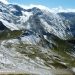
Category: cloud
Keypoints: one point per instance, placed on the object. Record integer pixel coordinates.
(33, 5)
(53, 10)
(61, 9)
(4, 1)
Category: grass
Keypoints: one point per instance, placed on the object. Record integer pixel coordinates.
(7, 34)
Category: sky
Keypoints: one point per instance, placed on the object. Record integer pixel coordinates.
(48, 3)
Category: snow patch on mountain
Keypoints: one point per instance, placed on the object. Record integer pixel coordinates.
(25, 16)
(11, 26)
(31, 39)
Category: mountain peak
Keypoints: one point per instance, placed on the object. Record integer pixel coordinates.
(36, 17)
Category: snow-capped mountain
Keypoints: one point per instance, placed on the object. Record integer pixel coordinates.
(15, 17)
(36, 38)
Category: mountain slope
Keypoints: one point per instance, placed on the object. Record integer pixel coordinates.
(36, 39)
(15, 17)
